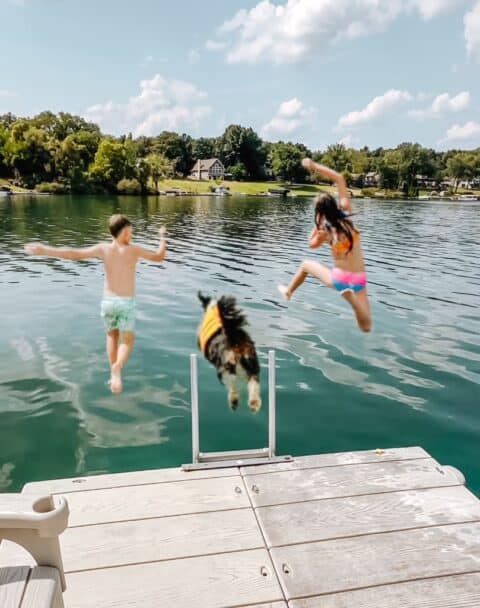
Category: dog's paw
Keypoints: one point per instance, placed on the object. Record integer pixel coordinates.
(255, 404)
(233, 400)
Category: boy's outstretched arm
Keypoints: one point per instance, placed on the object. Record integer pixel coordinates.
(65, 253)
(337, 178)
(155, 256)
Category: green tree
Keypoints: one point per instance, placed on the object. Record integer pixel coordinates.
(111, 164)
(177, 148)
(204, 147)
(239, 172)
(29, 152)
(459, 168)
(241, 145)
(285, 161)
(160, 168)
(3, 140)
(387, 167)
(129, 186)
(74, 156)
(337, 157)
(7, 120)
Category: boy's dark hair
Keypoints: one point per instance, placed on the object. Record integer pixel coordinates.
(117, 223)
(326, 206)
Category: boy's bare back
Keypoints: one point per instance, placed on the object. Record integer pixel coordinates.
(120, 262)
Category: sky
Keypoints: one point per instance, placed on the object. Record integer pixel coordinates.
(361, 72)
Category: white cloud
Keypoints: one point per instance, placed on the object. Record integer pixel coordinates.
(429, 9)
(443, 104)
(472, 32)
(378, 108)
(214, 45)
(290, 116)
(160, 104)
(461, 133)
(288, 31)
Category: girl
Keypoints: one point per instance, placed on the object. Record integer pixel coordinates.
(332, 226)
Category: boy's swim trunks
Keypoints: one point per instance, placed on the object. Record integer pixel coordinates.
(119, 313)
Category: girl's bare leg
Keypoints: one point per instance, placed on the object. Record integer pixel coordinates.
(112, 345)
(307, 267)
(124, 352)
(361, 307)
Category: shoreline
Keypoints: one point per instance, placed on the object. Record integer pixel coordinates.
(279, 190)
(462, 198)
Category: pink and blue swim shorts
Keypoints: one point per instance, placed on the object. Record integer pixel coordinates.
(343, 280)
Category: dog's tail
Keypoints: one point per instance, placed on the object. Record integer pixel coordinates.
(233, 319)
(205, 300)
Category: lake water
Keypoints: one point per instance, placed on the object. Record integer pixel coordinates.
(415, 380)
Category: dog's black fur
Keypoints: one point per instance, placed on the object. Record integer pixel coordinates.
(232, 351)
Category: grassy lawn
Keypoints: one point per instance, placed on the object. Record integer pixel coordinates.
(251, 188)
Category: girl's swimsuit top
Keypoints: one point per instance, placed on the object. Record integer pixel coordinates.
(342, 247)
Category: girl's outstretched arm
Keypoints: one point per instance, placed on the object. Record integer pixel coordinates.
(337, 178)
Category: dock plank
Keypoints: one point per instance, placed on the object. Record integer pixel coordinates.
(269, 605)
(334, 482)
(149, 540)
(156, 500)
(12, 586)
(116, 480)
(379, 559)
(219, 581)
(343, 517)
(43, 589)
(461, 591)
(339, 459)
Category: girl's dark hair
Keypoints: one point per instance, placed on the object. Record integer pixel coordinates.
(117, 223)
(335, 219)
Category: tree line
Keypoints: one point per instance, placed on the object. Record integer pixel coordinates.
(65, 153)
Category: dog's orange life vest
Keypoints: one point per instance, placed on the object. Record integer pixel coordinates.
(211, 324)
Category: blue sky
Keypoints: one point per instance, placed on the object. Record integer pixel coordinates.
(366, 72)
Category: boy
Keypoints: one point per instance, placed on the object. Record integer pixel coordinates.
(118, 308)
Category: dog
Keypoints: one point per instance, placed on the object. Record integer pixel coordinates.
(225, 343)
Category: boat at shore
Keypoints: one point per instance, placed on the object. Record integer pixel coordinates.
(221, 191)
(467, 197)
(278, 192)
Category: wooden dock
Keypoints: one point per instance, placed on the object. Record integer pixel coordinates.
(383, 529)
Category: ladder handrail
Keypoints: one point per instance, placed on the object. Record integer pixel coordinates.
(272, 430)
(195, 413)
(270, 451)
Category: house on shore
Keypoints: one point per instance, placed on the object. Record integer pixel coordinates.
(372, 179)
(423, 181)
(208, 168)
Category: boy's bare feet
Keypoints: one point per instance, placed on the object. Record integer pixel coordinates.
(116, 385)
(283, 289)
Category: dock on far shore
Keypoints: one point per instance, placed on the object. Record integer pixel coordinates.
(383, 528)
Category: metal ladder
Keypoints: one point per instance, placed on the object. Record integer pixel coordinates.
(234, 458)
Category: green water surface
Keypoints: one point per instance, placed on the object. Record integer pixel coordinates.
(415, 380)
